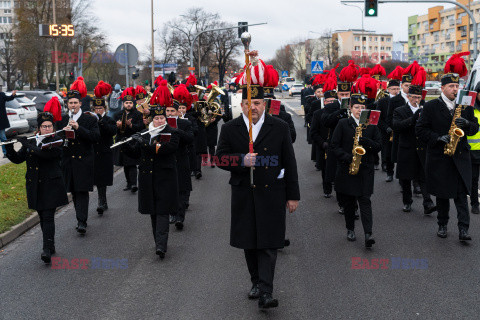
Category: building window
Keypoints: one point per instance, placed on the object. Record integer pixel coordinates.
(357, 38)
(382, 39)
(9, 19)
(376, 38)
(370, 48)
(382, 48)
(376, 48)
(357, 48)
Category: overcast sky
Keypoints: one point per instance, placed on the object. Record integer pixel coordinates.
(129, 20)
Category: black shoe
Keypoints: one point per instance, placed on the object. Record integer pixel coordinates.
(212, 166)
(384, 167)
(128, 187)
(407, 208)
(266, 301)
(46, 256)
(389, 179)
(160, 253)
(134, 188)
(429, 209)
(52, 250)
(81, 227)
(286, 243)
(187, 205)
(417, 190)
(318, 169)
(442, 231)
(254, 292)
(100, 210)
(172, 219)
(341, 210)
(351, 235)
(475, 210)
(179, 225)
(463, 235)
(369, 241)
(357, 216)
(327, 195)
(198, 175)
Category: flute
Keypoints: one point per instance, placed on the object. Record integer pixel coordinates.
(130, 138)
(29, 138)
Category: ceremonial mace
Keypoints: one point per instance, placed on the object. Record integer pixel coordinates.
(246, 40)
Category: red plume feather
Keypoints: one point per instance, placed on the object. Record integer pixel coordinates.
(396, 74)
(332, 73)
(456, 64)
(79, 85)
(191, 80)
(158, 80)
(367, 85)
(350, 72)
(140, 89)
(363, 71)
(412, 69)
(53, 106)
(378, 70)
(182, 95)
(420, 78)
(162, 95)
(319, 79)
(102, 89)
(330, 83)
(271, 77)
(130, 91)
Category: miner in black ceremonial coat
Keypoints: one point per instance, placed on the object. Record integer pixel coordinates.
(353, 188)
(45, 187)
(258, 210)
(448, 177)
(78, 155)
(411, 150)
(103, 153)
(157, 180)
(185, 134)
(129, 122)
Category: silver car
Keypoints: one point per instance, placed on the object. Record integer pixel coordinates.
(21, 101)
(18, 123)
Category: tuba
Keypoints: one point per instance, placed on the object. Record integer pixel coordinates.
(212, 108)
(170, 88)
(357, 152)
(455, 134)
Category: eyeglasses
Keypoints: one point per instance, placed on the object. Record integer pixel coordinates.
(46, 126)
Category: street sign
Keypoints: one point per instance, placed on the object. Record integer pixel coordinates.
(317, 67)
(191, 68)
(126, 54)
(284, 73)
(285, 87)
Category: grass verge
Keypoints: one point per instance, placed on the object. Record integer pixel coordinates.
(13, 197)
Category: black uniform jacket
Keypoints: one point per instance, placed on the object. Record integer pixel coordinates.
(78, 156)
(185, 134)
(443, 172)
(103, 153)
(136, 116)
(360, 184)
(44, 182)
(394, 103)
(157, 177)
(258, 211)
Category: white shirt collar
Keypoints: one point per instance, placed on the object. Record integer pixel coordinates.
(450, 104)
(357, 121)
(391, 95)
(255, 127)
(414, 109)
(404, 95)
(154, 132)
(75, 116)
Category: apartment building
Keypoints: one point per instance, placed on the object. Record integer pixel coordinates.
(357, 43)
(433, 37)
(6, 24)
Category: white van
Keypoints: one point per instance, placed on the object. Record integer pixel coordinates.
(289, 81)
(474, 77)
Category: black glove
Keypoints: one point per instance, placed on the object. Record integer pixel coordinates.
(137, 138)
(462, 123)
(347, 158)
(389, 130)
(344, 113)
(23, 141)
(444, 139)
(325, 145)
(365, 142)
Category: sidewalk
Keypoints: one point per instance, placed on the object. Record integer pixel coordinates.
(3, 160)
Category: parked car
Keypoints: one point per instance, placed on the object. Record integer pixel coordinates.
(18, 123)
(40, 98)
(290, 81)
(295, 89)
(433, 87)
(22, 102)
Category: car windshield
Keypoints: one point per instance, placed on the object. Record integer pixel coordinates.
(24, 100)
(290, 79)
(13, 104)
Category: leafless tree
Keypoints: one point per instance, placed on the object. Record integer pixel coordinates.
(7, 58)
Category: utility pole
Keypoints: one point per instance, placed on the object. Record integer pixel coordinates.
(57, 82)
(153, 52)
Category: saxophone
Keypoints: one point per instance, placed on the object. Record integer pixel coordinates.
(455, 134)
(357, 152)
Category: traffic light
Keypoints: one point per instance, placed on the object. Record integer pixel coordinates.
(242, 27)
(371, 7)
(135, 74)
(71, 76)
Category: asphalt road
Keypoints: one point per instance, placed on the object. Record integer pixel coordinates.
(202, 277)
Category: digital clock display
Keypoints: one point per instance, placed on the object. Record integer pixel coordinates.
(56, 30)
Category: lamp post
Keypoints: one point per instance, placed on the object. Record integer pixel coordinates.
(361, 49)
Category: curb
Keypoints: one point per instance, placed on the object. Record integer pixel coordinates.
(30, 222)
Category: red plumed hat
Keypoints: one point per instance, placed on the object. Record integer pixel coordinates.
(420, 78)
(158, 80)
(412, 69)
(456, 64)
(162, 96)
(102, 89)
(191, 80)
(182, 95)
(378, 70)
(396, 74)
(349, 73)
(319, 80)
(209, 87)
(79, 85)
(128, 94)
(367, 85)
(271, 77)
(53, 106)
(332, 72)
(330, 83)
(363, 71)
(257, 73)
(140, 93)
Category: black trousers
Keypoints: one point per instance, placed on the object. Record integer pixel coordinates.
(474, 192)
(198, 163)
(327, 186)
(183, 198)
(160, 227)
(131, 173)
(47, 224)
(461, 203)
(407, 192)
(261, 265)
(211, 151)
(377, 159)
(102, 196)
(387, 157)
(365, 205)
(80, 202)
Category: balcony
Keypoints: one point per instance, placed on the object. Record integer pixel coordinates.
(414, 42)
(436, 38)
(459, 21)
(447, 37)
(459, 47)
(431, 27)
(424, 41)
(451, 23)
(463, 34)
